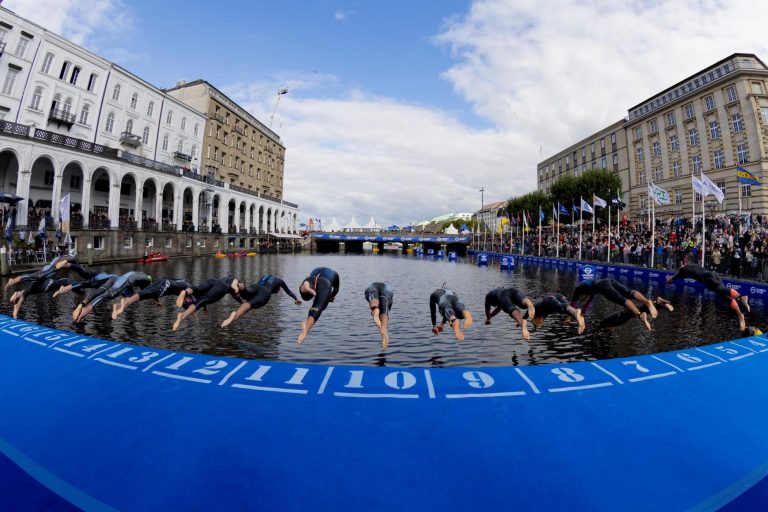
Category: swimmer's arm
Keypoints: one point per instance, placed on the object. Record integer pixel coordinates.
(289, 292)
(433, 310)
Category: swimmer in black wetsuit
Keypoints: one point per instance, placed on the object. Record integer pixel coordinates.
(210, 291)
(712, 282)
(614, 291)
(36, 287)
(380, 297)
(111, 289)
(556, 303)
(622, 317)
(323, 285)
(48, 271)
(451, 309)
(509, 300)
(94, 279)
(155, 291)
(44, 280)
(257, 295)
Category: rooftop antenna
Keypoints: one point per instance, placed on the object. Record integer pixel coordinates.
(280, 92)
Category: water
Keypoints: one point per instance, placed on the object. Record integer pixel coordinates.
(345, 333)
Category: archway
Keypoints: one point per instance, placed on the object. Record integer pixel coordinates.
(168, 207)
(127, 212)
(98, 211)
(149, 205)
(187, 202)
(72, 184)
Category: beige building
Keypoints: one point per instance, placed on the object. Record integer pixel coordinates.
(711, 122)
(237, 148)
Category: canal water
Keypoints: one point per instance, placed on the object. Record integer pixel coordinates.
(345, 333)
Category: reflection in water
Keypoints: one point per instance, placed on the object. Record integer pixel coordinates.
(345, 333)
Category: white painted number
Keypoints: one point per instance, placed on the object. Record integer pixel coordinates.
(400, 380)
(478, 380)
(178, 364)
(355, 379)
(145, 356)
(213, 367)
(726, 350)
(567, 375)
(689, 358)
(259, 373)
(298, 376)
(638, 366)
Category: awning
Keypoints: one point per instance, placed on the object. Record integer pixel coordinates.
(284, 235)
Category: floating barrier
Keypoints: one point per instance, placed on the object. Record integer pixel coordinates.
(440, 254)
(507, 263)
(430, 252)
(106, 425)
(482, 260)
(452, 256)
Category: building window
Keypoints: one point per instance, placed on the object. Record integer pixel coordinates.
(92, 82)
(696, 164)
(640, 155)
(129, 126)
(98, 243)
(180, 147)
(721, 186)
(110, 122)
(116, 92)
(757, 88)
(168, 243)
(743, 153)
(615, 159)
(75, 75)
(169, 117)
(689, 111)
(196, 129)
(150, 108)
(37, 97)
(693, 137)
(674, 143)
(730, 93)
(714, 130)
(677, 169)
(638, 132)
(10, 81)
(21, 47)
(697, 197)
(64, 68)
(604, 162)
(67, 106)
(127, 242)
(738, 123)
(670, 119)
(709, 103)
(47, 61)
(602, 143)
(641, 177)
(653, 126)
(719, 159)
(183, 124)
(678, 196)
(134, 101)
(746, 190)
(658, 174)
(145, 136)
(165, 143)
(193, 151)
(656, 148)
(84, 114)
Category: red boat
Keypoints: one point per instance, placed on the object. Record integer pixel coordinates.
(152, 257)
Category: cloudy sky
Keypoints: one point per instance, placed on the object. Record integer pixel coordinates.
(403, 110)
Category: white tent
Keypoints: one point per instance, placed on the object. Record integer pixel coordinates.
(352, 226)
(451, 230)
(371, 226)
(333, 226)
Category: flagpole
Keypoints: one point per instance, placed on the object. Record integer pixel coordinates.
(581, 224)
(594, 209)
(703, 224)
(609, 229)
(557, 236)
(618, 215)
(653, 232)
(540, 211)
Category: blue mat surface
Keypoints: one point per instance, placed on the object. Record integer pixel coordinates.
(104, 425)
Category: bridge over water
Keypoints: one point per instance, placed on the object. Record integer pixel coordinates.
(353, 242)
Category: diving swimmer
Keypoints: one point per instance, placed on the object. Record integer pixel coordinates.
(509, 300)
(257, 295)
(322, 284)
(380, 297)
(451, 309)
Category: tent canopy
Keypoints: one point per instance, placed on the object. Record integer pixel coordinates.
(352, 225)
(371, 226)
(333, 226)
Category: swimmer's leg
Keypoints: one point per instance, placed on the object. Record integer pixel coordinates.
(518, 317)
(644, 319)
(660, 301)
(306, 326)
(243, 309)
(181, 316)
(383, 330)
(632, 307)
(19, 302)
(375, 312)
(124, 303)
(649, 303)
(76, 312)
(84, 311)
(182, 295)
(575, 313)
(467, 319)
(531, 309)
(742, 321)
(62, 290)
(12, 281)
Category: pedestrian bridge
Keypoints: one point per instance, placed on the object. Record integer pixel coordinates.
(353, 242)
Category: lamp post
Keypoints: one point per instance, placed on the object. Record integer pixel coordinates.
(280, 92)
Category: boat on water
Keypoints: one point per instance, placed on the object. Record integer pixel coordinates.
(153, 257)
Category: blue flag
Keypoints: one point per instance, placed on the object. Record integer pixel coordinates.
(574, 207)
(10, 226)
(563, 209)
(746, 177)
(541, 215)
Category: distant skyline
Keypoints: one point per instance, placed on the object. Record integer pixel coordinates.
(403, 110)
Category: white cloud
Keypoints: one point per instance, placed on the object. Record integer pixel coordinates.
(81, 21)
(340, 15)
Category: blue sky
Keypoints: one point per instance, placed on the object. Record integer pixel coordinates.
(403, 110)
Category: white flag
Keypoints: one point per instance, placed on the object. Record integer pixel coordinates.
(64, 208)
(698, 186)
(602, 203)
(586, 207)
(713, 189)
(658, 194)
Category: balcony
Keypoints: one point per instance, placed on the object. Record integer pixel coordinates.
(130, 139)
(239, 130)
(178, 155)
(61, 117)
(219, 118)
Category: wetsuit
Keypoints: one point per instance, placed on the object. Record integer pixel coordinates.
(706, 277)
(383, 293)
(508, 299)
(213, 290)
(551, 304)
(163, 287)
(258, 294)
(49, 270)
(45, 285)
(448, 303)
(325, 282)
(609, 288)
(117, 285)
(95, 280)
(621, 317)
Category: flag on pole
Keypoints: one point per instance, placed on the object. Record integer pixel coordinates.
(601, 203)
(541, 214)
(554, 213)
(574, 208)
(563, 209)
(529, 217)
(64, 207)
(713, 189)
(658, 194)
(617, 202)
(41, 228)
(525, 222)
(698, 186)
(586, 207)
(746, 177)
(10, 225)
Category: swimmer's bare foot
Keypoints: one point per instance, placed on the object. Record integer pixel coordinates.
(745, 300)
(229, 320)
(76, 312)
(180, 298)
(644, 318)
(531, 312)
(467, 319)
(526, 333)
(115, 311)
(303, 333)
(652, 309)
(742, 322)
(177, 322)
(376, 319)
(384, 340)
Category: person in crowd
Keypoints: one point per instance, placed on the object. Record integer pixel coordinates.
(452, 311)
(257, 295)
(713, 283)
(321, 286)
(208, 292)
(379, 297)
(509, 300)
